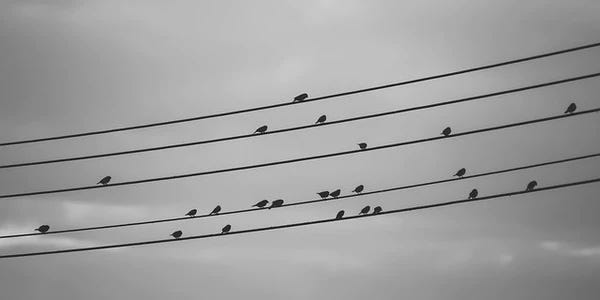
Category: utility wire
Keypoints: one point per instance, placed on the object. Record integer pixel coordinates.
(322, 156)
(455, 101)
(241, 111)
(412, 208)
(309, 201)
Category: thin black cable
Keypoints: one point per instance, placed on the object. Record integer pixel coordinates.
(308, 201)
(413, 208)
(505, 63)
(303, 158)
(455, 101)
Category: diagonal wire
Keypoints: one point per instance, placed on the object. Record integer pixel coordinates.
(241, 111)
(295, 160)
(309, 201)
(322, 221)
(244, 136)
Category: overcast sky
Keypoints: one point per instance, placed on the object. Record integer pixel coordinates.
(71, 66)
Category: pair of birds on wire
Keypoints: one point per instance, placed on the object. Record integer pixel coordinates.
(530, 187)
(178, 234)
(264, 128)
(215, 211)
(364, 211)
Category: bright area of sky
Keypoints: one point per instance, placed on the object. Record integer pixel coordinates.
(70, 66)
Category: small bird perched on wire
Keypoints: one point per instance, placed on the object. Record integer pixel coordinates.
(377, 210)
(177, 234)
(359, 189)
(531, 185)
(226, 229)
(300, 97)
(571, 109)
(105, 180)
(362, 146)
(447, 131)
(365, 210)
(43, 228)
(276, 203)
(335, 193)
(473, 194)
(323, 194)
(339, 215)
(216, 210)
(261, 203)
(261, 129)
(460, 173)
(192, 212)
(321, 119)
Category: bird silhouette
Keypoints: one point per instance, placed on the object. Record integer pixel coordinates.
(339, 215)
(216, 210)
(571, 109)
(473, 194)
(177, 234)
(447, 131)
(226, 229)
(531, 185)
(261, 203)
(321, 119)
(105, 180)
(359, 189)
(377, 210)
(362, 146)
(43, 228)
(301, 97)
(365, 210)
(335, 193)
(460, 173)
(192, 212)
(261, 129)
(323, 194)
(276, 203)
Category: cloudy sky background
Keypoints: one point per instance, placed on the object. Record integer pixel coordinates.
(70, 66)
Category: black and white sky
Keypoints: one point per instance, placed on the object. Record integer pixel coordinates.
(70, 66)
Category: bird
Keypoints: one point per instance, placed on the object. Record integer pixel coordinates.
(377, 210)
(105, 180)
(43, 228)
(339, 215)
(531, 185)
(216, 210)
(301, 97)
(192, 212)
(335, 193)
(362, 146)
(177, 234)
(473, 194)
(276, 203)
(261, 129)
(359, 189)
(323, 194)
(365, 210)
(261, 203)
(447, 131)
(571, 109)
(460, 173)
(321, 119)
(226, 229)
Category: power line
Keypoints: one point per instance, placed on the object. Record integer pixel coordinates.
(241, 111)
(322, 156)
(308, 201)
(413, 208)
(455, 101)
